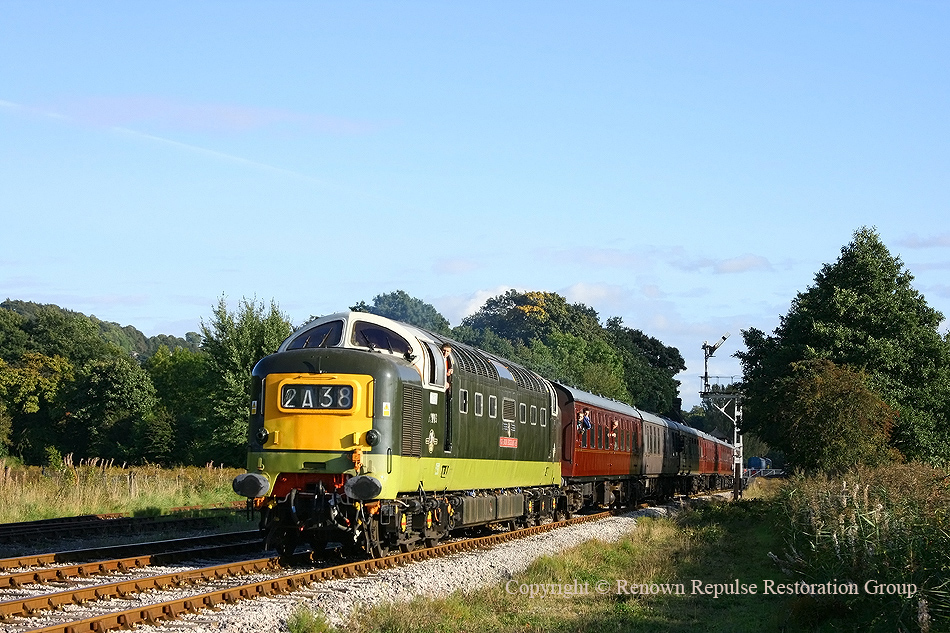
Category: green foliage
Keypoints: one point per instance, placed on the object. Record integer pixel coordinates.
(233, 343)
(521, 317)
(566, 342)
(304, 620)
(649, 367)
(861, 312)
(888, 524)
(107, 401)
(183, 384)
(832, 419)
(400, 306)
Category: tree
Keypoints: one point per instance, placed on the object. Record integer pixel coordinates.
(184, 388)
(108, 399)
(861, 312)
(523, 316)
(30, 391)
(234, 342)
(832, 419)
(649, 367)
(566, 342)
(400, 306)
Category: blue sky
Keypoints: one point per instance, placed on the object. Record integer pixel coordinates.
(687, 166)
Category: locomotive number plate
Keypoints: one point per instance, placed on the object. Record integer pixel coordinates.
(316, 397)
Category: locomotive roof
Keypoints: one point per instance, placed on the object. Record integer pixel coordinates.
(468, 358)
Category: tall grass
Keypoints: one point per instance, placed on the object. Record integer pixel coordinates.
(100, 487)
(888, 525)
(718, 544)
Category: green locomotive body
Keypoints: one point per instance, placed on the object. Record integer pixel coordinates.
(358, 436)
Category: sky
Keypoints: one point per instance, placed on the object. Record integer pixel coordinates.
(686, 166)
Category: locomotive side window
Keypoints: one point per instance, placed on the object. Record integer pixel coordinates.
(324, 335)
(523, 410)
(479, 404)
(493, 406)
(507, 415)
(463, 401)
(377, 337)
(544, 417)
(534, 415)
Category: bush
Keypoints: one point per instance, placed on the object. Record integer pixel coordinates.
(889, 524)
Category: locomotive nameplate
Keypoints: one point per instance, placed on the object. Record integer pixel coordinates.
(508, 442)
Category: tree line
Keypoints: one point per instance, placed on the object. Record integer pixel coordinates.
(857, 372)
(73, 384)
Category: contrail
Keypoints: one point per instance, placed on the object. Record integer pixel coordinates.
(210, 153)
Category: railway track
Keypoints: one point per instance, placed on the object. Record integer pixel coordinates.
(47, 568)
(81, 526)
(119, 604)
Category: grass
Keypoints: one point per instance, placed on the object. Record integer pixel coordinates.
(101, 487)
(761, 538)
(717, 544)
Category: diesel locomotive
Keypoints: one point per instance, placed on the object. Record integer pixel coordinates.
(365, 433)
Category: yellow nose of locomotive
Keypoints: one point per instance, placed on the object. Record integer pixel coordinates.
(322, 412)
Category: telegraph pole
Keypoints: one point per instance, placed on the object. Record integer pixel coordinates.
(728, 401)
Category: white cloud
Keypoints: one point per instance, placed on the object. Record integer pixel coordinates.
(934, 241)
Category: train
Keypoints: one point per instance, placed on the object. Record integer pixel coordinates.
(378, 436)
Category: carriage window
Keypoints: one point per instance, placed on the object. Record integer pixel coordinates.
(463, 401)
(323, 335)
(479, 404)
(493, 406)
(377, 337)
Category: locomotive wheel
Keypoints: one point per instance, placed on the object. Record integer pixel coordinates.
(371, 543)
(285, 543)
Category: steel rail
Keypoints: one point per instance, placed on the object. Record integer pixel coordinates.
(45, 575)
(123, 551)
(172, 609)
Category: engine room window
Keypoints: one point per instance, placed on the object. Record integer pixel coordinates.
(534, 415)
(493, 406)
(523, 410)
(463, 401)
(479, 404)
(544, 417)
(323, 335)
(377, 337)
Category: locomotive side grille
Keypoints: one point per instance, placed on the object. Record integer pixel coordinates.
(472, 361)
(411, 421)
(526, 379)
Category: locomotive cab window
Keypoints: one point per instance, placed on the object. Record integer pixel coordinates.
(323, 335)
(378, 338)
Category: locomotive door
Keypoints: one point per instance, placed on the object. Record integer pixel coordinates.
(440, 395)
